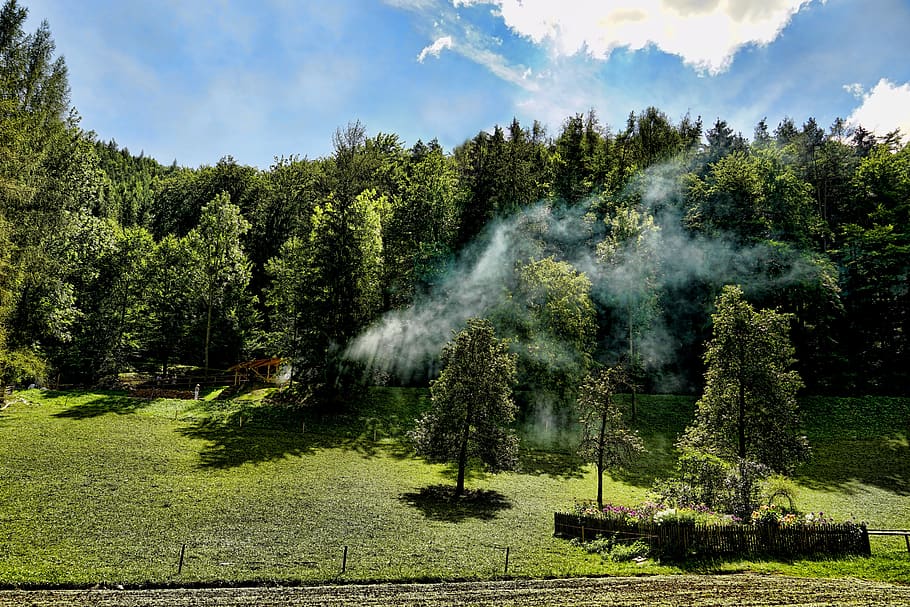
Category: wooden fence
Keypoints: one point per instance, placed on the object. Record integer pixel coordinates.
(675, 540)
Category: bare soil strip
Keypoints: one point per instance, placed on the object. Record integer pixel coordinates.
(697, 591)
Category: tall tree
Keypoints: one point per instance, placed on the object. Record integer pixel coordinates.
(220, 263)
(472, 403)
(292, 300)
(170, 287)
(629, 254)
(748, 410)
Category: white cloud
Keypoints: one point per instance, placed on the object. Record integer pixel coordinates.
(885, 108)
(445, 42)
(856, 89)
(704, 33)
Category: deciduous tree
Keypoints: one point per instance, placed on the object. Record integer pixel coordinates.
(606, 440)
(748, 411)
(472, 403)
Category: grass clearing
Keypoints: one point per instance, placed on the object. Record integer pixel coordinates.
(100, 487)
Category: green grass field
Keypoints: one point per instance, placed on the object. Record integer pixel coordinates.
(102, 488)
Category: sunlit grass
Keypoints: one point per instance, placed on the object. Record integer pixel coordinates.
(100, 487)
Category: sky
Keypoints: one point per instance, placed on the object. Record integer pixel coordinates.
(197, 80)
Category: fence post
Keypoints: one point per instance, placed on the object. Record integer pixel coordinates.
(180, 564)
(344, 560)
(506, 572)
(866, 546)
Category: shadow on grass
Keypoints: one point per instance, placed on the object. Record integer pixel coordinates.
(232, 444)
(551, 463)
(438, 502)
(259, 434)
(883, 463)
(121, 404)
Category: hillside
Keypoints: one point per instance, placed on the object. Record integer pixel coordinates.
(102, 488)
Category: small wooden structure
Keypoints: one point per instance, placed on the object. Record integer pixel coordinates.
(262, 369)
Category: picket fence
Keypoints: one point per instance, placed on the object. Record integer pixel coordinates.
(674, 539)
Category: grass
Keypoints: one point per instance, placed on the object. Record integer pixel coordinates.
(103, 488)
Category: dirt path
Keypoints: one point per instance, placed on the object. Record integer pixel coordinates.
(656, 591)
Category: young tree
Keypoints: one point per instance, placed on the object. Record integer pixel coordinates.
(606, 441)
(748, 410)
(472, 403)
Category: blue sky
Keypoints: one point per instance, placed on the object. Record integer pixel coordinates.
(196, 80)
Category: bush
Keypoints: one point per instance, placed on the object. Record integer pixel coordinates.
(611, 549)
(704, 480)
(777, 487)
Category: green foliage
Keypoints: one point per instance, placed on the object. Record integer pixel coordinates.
(220, 269)
(551, 319)
(21, 366)
(472, 404)
(615, 551)
(748, 409)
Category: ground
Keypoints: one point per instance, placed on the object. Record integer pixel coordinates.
(654, 591)
(103, 489)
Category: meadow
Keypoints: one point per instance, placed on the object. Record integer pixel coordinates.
(102, 488)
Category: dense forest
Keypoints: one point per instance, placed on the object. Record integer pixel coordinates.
(592, 245)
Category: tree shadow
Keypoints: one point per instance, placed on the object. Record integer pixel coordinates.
(554, 464)
(259, 434)
(438, 502)
(232, 443)
(840, 465)
(121, 404)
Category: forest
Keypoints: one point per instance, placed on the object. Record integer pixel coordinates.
(593, 245)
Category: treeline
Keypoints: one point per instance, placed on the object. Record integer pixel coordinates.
(109, 261)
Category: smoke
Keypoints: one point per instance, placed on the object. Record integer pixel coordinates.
(639, 282)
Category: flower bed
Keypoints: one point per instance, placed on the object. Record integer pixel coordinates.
(680, 532)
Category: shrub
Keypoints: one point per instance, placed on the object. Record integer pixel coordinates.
(611, 549)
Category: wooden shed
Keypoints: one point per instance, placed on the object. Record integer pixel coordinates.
(261, 369)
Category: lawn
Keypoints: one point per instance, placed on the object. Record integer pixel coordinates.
(103, 488)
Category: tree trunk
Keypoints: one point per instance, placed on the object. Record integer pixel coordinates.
(208, 335)
(742, 420)
(462, 460)
(600, 461)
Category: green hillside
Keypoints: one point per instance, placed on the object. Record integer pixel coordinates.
(102, 488)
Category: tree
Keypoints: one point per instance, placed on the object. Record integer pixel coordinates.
(472, 403)
(220, 262)
(553, 322)
(748, 411)
(291, 298)
(629, 255)
(606, 441)
(168, 284)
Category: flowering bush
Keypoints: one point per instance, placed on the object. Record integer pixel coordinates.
(776, 515)
(654, 512)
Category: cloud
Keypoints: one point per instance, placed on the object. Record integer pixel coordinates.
(885, 108)
(705, 34)
(440, 44)
(856, 89)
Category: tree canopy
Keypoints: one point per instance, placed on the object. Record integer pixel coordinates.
(632, 229)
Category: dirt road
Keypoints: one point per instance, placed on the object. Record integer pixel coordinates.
(697, 591)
